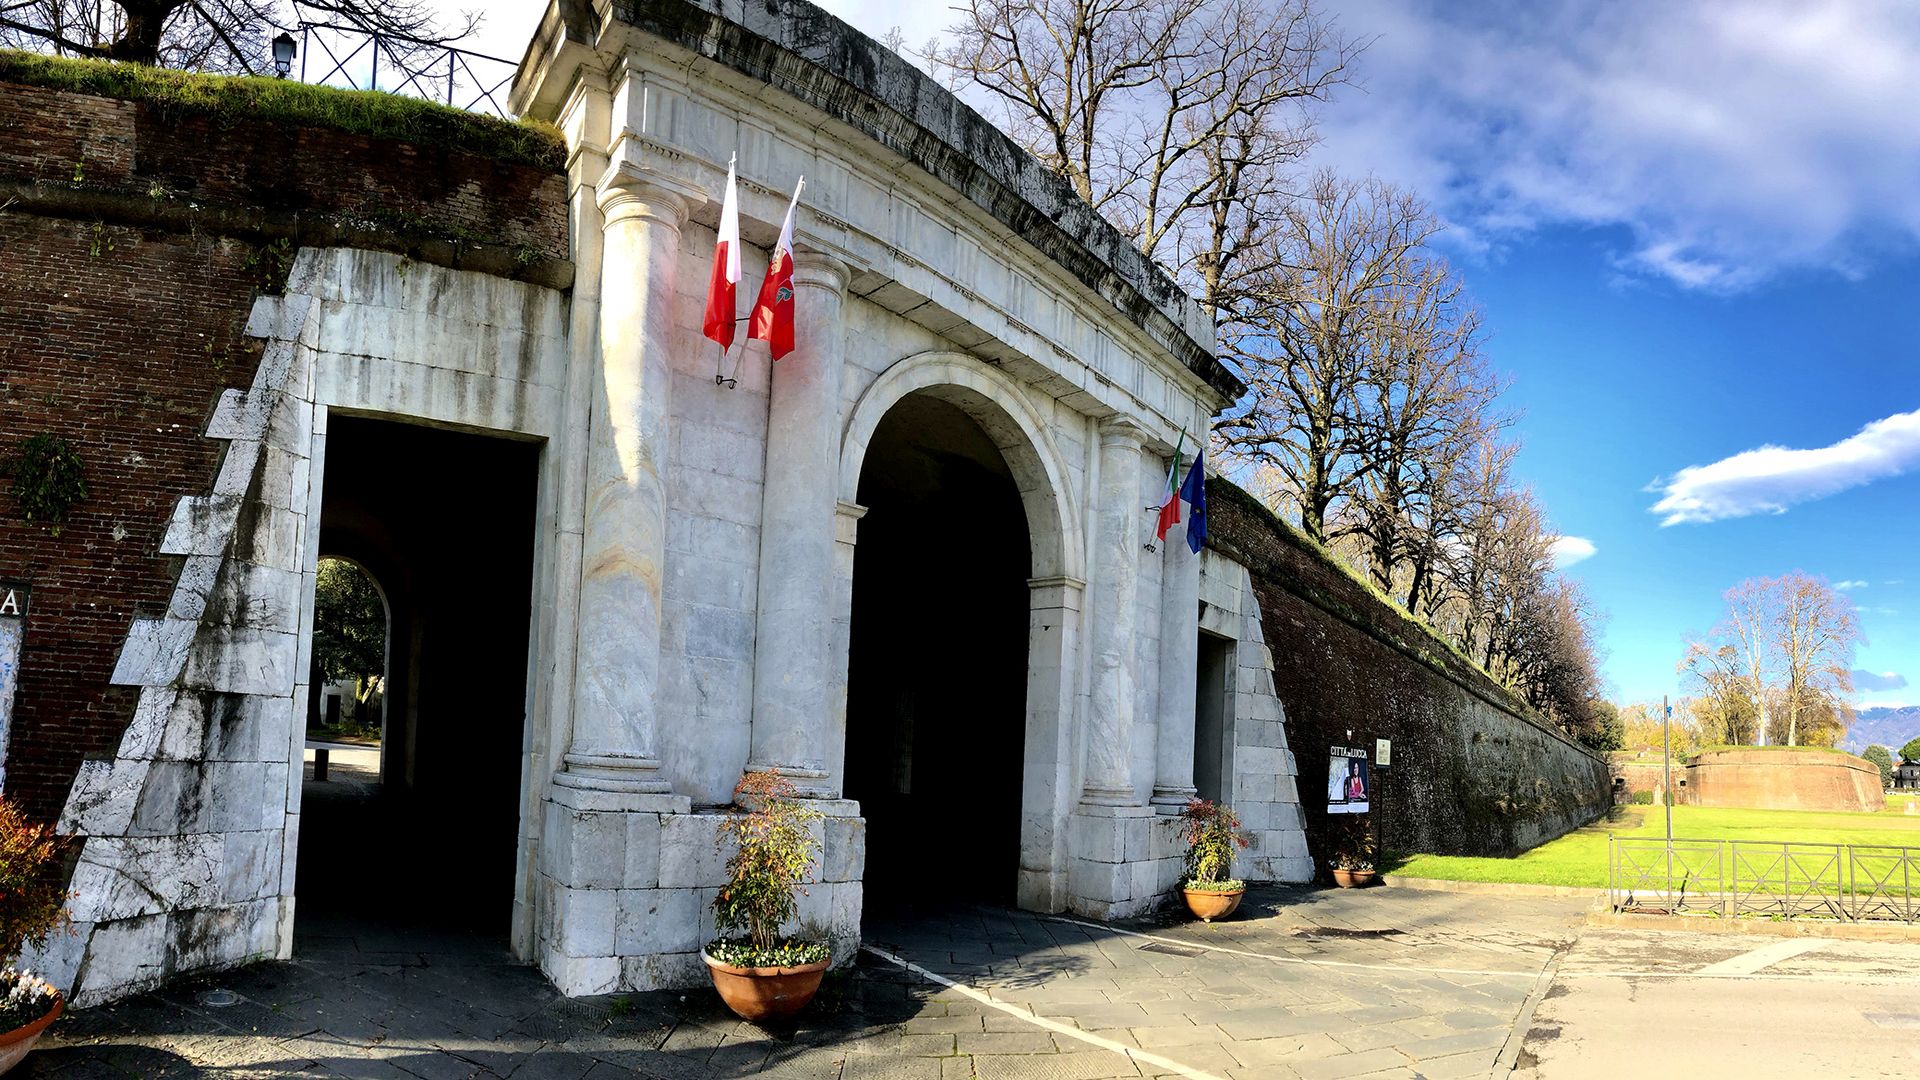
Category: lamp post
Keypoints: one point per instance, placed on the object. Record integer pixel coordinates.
(283, 50)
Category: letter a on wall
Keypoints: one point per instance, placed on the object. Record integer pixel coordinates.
(13, 630)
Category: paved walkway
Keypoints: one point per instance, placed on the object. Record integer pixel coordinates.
(1304, 984)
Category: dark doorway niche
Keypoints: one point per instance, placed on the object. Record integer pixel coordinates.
(1212, 760)
(443, 522)
(937, 673)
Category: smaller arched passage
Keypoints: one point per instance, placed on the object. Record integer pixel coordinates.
(352, 638)
(964, 598)
(445, 521)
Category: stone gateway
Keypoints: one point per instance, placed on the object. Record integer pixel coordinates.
(911, 565)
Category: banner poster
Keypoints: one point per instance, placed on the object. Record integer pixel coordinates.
(1348, 786)
(13, 627)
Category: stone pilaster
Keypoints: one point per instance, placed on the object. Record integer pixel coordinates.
(1118, 523)
(1179, 672)
(793, 698)
(612, 761)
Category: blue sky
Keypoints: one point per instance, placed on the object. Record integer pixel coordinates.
(1693, 229)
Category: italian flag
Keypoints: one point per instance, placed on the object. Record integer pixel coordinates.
(772, 318)
(1170, 510)
(726, 269)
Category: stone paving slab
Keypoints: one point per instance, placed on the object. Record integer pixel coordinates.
(1305, 984)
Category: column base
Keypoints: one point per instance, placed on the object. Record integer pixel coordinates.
(803, 779)
(1092, 796)
(578, 791)
(1172, 800)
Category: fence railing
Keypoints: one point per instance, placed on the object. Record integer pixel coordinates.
(347, 57)
(1734, 878)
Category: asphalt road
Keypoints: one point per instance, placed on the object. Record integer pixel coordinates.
(1667, 1003)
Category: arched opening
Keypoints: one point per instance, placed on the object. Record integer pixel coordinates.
(938, 658)
(423, 833)
(346, 710)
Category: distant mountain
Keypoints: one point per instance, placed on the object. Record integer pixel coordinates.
(1890, 728)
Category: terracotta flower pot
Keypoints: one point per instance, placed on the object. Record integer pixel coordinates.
(15, 1044)
(1208, 906)
(765, 993)
(1353, 879)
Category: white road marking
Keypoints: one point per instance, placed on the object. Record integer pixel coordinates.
(1143, 1057)
(1765, 956)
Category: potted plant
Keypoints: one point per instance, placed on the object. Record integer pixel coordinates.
(32, 906)
(759, 974)
(1353, 864)
(1212, 833)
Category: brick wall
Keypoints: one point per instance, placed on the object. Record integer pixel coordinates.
(1474, 772)
(119, 335)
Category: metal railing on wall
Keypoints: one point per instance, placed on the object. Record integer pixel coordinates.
(1748, 878)
(355, 59)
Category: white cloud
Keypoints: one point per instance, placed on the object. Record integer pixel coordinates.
(1728, 142)
(1850, 585)
(1769, 479)
(1567, 550)
(1870, 682)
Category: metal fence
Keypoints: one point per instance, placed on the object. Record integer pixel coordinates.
(1735, 878)
(347, 57)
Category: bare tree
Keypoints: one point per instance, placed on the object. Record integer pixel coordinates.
(1428, 397)
(216, 35)
(1752, 611)
(1726, 704)
(1333, 312)
(1816, 631)
(1179, 120)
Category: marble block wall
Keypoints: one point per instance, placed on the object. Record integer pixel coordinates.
(627, 896)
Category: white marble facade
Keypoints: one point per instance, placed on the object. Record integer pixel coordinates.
(672, 648)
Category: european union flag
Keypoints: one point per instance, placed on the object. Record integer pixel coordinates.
(1194, 491)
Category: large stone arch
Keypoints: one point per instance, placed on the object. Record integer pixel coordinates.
(1000, 406)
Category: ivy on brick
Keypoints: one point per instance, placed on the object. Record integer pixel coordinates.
(48, 480)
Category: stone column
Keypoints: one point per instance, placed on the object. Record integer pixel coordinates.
(1179, 672)
(1118, 524)
(613, 752)
(799, 516)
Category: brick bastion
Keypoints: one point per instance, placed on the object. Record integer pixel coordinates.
(1783, 779)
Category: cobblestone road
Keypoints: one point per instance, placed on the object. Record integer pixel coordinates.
(1303, 983)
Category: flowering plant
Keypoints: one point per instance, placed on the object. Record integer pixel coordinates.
(774, 849)
(1212, 831)
(33, 904)
(24, 998)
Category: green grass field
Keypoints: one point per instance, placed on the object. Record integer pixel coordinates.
(1580, 857)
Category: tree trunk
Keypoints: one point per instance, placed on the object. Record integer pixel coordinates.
(146, 21)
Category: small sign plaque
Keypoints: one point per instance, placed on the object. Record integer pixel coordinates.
(1382, 753)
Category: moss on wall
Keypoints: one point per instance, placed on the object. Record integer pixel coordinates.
(1475, 772)
(235, 99)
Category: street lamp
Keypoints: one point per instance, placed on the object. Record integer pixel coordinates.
(283, 50)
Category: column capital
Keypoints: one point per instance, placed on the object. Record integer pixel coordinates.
(821, 270)
(625, 195)
(1120, 430)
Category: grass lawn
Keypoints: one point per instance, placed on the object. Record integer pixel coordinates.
(346, 733)
(1580, 857)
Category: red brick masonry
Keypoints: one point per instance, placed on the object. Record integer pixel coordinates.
(119, 335)
(1777, 779)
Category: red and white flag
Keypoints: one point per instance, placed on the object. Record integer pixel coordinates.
(726, 269)
(772, 318)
